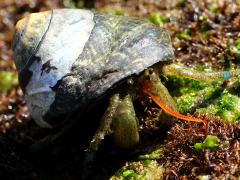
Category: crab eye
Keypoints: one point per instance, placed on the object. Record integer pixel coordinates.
(151, 71)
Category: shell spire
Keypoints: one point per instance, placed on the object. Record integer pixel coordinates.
(29, 32)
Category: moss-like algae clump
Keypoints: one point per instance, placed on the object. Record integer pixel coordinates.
(193, 96)
(227, 106)
(138, 171)
(146, 167)
(211, 143)
(158, 19)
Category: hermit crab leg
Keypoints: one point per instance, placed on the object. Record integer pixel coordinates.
(159, 94)
(125, 124)
(180, 70)
(105, 123)
(119, 120)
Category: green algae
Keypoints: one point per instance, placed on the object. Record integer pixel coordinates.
(213, 99)
(237, 48)
(227, 107)
(7, 81)
(152, 156)
(70, 4)
(139, 171)
(211, 143)
(113, 11)
(185, 92)
(157, 19)
(146, 167)
(184, 35)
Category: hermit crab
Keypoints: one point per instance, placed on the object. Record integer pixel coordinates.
(69, 58)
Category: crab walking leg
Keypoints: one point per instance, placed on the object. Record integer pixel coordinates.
(119, 120)
(125, 124)
(208, 77)
(105, 123)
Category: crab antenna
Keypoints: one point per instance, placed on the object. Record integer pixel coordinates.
(173, 113)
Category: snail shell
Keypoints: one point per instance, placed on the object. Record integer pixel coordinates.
(67, 58)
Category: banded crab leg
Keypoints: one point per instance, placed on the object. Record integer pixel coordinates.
(180, 70)
(154, 88)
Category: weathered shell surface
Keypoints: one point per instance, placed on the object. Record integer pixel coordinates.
(67, 58)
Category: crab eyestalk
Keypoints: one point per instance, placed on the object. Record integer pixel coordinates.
(159, 94)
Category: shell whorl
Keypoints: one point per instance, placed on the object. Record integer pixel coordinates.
(47, 44)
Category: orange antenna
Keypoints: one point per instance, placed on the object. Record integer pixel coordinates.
(173, 113)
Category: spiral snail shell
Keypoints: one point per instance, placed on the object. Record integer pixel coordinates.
(67, 58)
